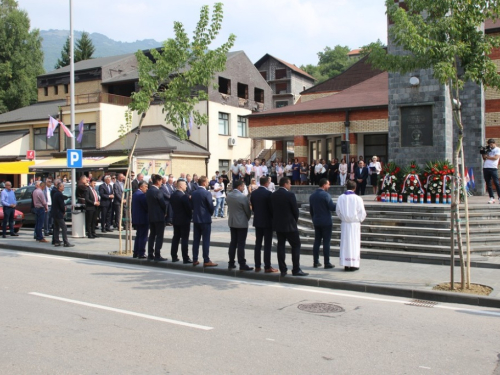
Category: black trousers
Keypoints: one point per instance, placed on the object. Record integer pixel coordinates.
(181, 233)
(106, 217)
(155, 242)
(8, 219)
(59, 224)
(265, 234)
(90, 221)
(294, 241)
(360, 188)
(238, 240)
(116, 214)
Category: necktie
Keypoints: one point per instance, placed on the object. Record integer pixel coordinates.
(109, 189)
(95, 195)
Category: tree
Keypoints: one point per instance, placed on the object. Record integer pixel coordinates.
(331, 62)
(84, 47)
(21, 58)
(175, 73)
(448, 37)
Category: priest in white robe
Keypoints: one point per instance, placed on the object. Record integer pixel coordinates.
(351, 212)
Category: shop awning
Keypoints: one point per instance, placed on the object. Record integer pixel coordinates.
(88, 163)
(16, 167)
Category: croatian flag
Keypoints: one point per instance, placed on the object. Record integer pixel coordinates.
(467, 179)
(52, 126)
(80, 132)
(191, 120)
(471, 178)
(66, 130)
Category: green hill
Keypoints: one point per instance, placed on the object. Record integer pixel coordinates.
(53, 42)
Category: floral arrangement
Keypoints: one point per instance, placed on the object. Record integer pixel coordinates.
(389, 178)
(412, 182)
(438, 178)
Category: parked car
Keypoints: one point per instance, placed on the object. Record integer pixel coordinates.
(18, 220)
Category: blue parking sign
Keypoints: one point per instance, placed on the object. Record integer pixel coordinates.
(74, 158)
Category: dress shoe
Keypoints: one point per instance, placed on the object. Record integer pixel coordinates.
(187, 261)
(245, 267)
(300, 273)
(151, 258)
(271, 270)
(160, 259)
(103, 231)
(142, 257)
(57, 244)
(67, 244)
(329, 265)
(91, 237)
(134, 255)
(175, 260)
(42, 240)
(283, 273)
(4, 236)
(109, 230)
(14, 235)
(195, 263)
(316, 265)
(94, 235)
(354, 269)
(231, 266)
(210, 264)
(347, 269)
(258, 269)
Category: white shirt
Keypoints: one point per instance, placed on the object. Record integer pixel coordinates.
(492, 163)
(317, 168)
(264, 170)
(271, 187)
(220, 193)
(248, 168)
(49, 198)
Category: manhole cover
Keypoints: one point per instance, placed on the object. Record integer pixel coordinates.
(320, 308)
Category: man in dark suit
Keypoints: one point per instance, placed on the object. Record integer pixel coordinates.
(203, 209)
(136, 181)
(58, 211)
(167, 193)
(190, 185)
(140, 220)
(260, 200)
(361, 176)
(179, 202)
(117, 200)
(239, 213)
(320, 208)
(92, 204)
(285, 216)
(156, 215)
(106, 194)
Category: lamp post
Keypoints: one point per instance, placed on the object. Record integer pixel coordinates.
(72, 107)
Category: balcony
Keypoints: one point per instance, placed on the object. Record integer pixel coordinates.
(100, 97)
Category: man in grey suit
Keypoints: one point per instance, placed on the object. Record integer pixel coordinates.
(239, 213)
(117, 201)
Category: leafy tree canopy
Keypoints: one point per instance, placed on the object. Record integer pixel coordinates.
(21, 57)
(180, 67)
(331, 62)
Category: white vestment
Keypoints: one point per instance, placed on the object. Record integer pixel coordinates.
(351, 212)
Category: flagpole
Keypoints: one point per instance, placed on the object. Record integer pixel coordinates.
(74, 230)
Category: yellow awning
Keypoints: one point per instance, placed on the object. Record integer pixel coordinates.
(88, 163)
(16, 167)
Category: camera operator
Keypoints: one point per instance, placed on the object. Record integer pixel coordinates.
(490, 169)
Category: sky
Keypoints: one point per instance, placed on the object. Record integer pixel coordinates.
(292, 30)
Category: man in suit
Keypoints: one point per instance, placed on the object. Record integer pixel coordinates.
(179, 202)
(190, 185)
(166, 193)
(140, 220)
(260, 200)
(106, 194)
(92, 203)
(156, 215)
(320, 208)
(47, 225)
(58, 211)
(136, 181)
(285, 216)
(117, 200)
(203, 209)
(239, 213)
(361, 176)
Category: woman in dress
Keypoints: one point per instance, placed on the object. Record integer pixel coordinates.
(342, 172)
(374, 168)
(350, 168)
(304, 171)
(296, 172)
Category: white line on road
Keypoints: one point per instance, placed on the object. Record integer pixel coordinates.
(145, 316)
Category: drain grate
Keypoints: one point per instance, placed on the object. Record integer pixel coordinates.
(421, 303)
(320, 308)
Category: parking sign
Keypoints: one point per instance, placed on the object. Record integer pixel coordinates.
(74, 158)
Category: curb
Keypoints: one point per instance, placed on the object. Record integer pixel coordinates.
(430, 295)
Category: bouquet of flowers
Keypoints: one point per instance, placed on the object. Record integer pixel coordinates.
(412, 182)
(438, 175)
(390, 176)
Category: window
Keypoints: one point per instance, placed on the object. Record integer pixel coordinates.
(88, 139)
(223, 123)
(258, 95)
(375, 144)
(264, 75)
(242, 127)
(338, 147)
(313, 151)
(42, 142)
(329, 154)
(56, 90)
(224, 86)
(282, 103)
(242, 91)
(280, 73)
(281, 88)
(46, 91)
(66, 89)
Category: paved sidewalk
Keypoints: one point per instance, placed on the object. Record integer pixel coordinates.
(405, 279)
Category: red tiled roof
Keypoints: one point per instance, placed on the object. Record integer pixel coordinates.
(373, 92)
(354, 52)
(291, 66)
(360, 71)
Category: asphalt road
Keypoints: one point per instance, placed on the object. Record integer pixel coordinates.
(70, 316)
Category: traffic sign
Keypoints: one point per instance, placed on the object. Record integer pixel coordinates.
(74, 158)
(30, 154)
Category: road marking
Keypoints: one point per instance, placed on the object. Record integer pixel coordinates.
(126, 312)
(256, 283)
